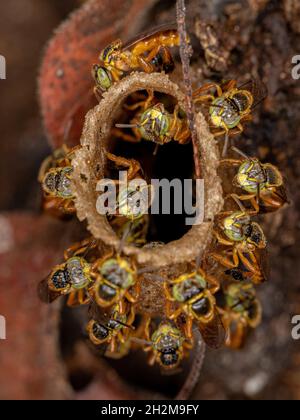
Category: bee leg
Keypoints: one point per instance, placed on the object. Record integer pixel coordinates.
(214, 282)
(133, 165)
(152, 359)
(168, 62)
(204, 98)
(75, 248)
(230, 162)
(69, 207)
(98, 94)
(232, 84)
(189, 328)
(221, 240)
(142, 104)
(219, 133)
(207, 87)
(226, 262)
(167, 292)
(126, 137)
(253, 200)
(116, 74)
(72, 299)
(238, 130)
(121, 337)
(153, 53)
(183, 133)
(130, 297)
(251, 266)
(145, 65)
(168, 309)
(184, 136)
(176, 314)
(147, 322)
(83, 299)
(237, 198)
(113, 345)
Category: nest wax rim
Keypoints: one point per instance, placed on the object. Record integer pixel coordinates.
(89, 165)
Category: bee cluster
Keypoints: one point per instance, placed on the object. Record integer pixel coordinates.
(215, 295)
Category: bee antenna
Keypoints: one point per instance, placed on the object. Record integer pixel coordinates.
(238, 202)
(140, 341)
(127, 125)
(239, 152)
(124, 237)
(92, 244)
(125, 325)
(156, 149)
(226, 143)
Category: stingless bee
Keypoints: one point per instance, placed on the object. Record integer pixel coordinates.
(194, 294)
(262, 182)
(110, 329)
(74, 276)
(134, 196)
(231, 105)
(55, 177)
(245, 238)
(242, 310)
(149, 53)
(157, 125)
(167, 345)
(115, 278)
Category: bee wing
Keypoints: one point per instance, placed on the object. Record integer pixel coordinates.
(213, 333)
(280, 196)
(46, 295)
(98, 314)
(262, 257)
(143, 36)
(257, 88)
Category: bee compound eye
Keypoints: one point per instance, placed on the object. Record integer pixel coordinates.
(100, 332)
(169, 357)
(60, 279)
(50, 182)
(103, 78)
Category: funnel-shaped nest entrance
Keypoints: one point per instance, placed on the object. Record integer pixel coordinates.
(172, 161)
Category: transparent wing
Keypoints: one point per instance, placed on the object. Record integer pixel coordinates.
(213, 333)
(143, 36)
(258, 90)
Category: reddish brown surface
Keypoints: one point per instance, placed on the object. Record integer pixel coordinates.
(66, 85)
(31, 363)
